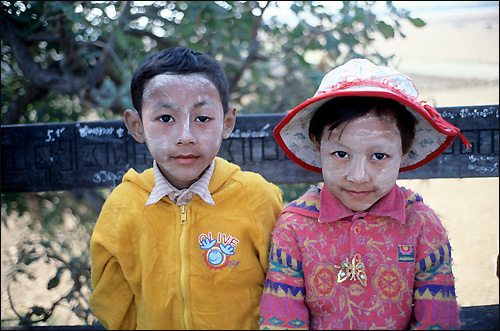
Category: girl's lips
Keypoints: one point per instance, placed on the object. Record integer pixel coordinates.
(357, 194)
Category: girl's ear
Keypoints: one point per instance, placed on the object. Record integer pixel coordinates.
(317, 144)
(134, 125)
(229, 122)
(404, 156)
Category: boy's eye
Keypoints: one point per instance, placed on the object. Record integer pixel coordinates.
(340, 154)
(379, 156)
(166, 118)
(203, 119)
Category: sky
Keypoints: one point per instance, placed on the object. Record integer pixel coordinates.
(422, 9)
(432, 8)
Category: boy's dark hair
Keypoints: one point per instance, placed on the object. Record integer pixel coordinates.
(178, 61)
(341, 109)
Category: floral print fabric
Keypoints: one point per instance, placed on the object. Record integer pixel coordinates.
(403, 249)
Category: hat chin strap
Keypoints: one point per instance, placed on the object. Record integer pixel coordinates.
(464, 140)
(436, 117)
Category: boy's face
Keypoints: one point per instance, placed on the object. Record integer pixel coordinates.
(361, 160)
(183, 125)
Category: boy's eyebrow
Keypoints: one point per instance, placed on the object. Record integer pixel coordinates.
(174, 108)
(167, 105)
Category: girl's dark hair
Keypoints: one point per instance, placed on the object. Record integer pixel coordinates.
(178, 61)
(344, 109)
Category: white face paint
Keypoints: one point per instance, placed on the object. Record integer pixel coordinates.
(184, 125)
(361, 160)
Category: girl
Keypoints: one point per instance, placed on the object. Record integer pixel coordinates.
(360, 252)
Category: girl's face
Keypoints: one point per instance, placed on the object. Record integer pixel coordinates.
(361, 160)
(183, 125)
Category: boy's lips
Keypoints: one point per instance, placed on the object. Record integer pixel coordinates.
(190, 158)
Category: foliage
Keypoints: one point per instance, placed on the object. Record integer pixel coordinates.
(62, 61)
(73, 60)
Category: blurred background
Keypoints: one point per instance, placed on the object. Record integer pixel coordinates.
(73, 60)
(453, 61)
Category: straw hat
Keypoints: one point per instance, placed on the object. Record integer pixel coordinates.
(360, 77)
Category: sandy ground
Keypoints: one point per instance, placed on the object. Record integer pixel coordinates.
(453, 62)
(469, 211)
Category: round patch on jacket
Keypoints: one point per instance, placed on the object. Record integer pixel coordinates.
(218, 251)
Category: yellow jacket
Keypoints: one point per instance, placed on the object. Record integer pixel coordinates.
(183, 267)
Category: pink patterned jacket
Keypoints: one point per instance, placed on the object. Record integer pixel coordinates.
(332, 268)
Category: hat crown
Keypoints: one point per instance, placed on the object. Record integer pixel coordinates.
(361, 74)
(362, 78)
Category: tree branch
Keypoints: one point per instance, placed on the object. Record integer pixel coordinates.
(253, 52)
(17, 108)
(47, 79)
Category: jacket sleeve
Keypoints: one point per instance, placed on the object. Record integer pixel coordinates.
(435, 304)
(283, 301)
(112, 299)
(265, 204)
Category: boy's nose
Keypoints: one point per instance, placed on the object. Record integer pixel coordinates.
(186, 135)
(357, 173)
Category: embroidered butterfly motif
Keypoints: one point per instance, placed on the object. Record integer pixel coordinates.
(355, 269)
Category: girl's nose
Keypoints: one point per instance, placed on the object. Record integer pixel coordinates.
(357, 172)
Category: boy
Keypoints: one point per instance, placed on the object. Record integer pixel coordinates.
(185, 243)
(360, 252)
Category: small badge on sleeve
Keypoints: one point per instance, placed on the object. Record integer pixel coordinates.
(406, 253)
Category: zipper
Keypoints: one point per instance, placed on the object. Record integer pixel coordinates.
(183, 214)
(183, 262)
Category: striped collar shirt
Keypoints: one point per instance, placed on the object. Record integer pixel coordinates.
(181, 197)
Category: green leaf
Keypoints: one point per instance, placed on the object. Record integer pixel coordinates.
(386, 30)
(120, 38)
(417, 22)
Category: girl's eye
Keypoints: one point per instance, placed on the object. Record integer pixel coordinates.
(166, 118)
(340, 154)
(203, 119)
(379, 156)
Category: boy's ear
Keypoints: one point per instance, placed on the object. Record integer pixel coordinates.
(134, 125)
(229, 122)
